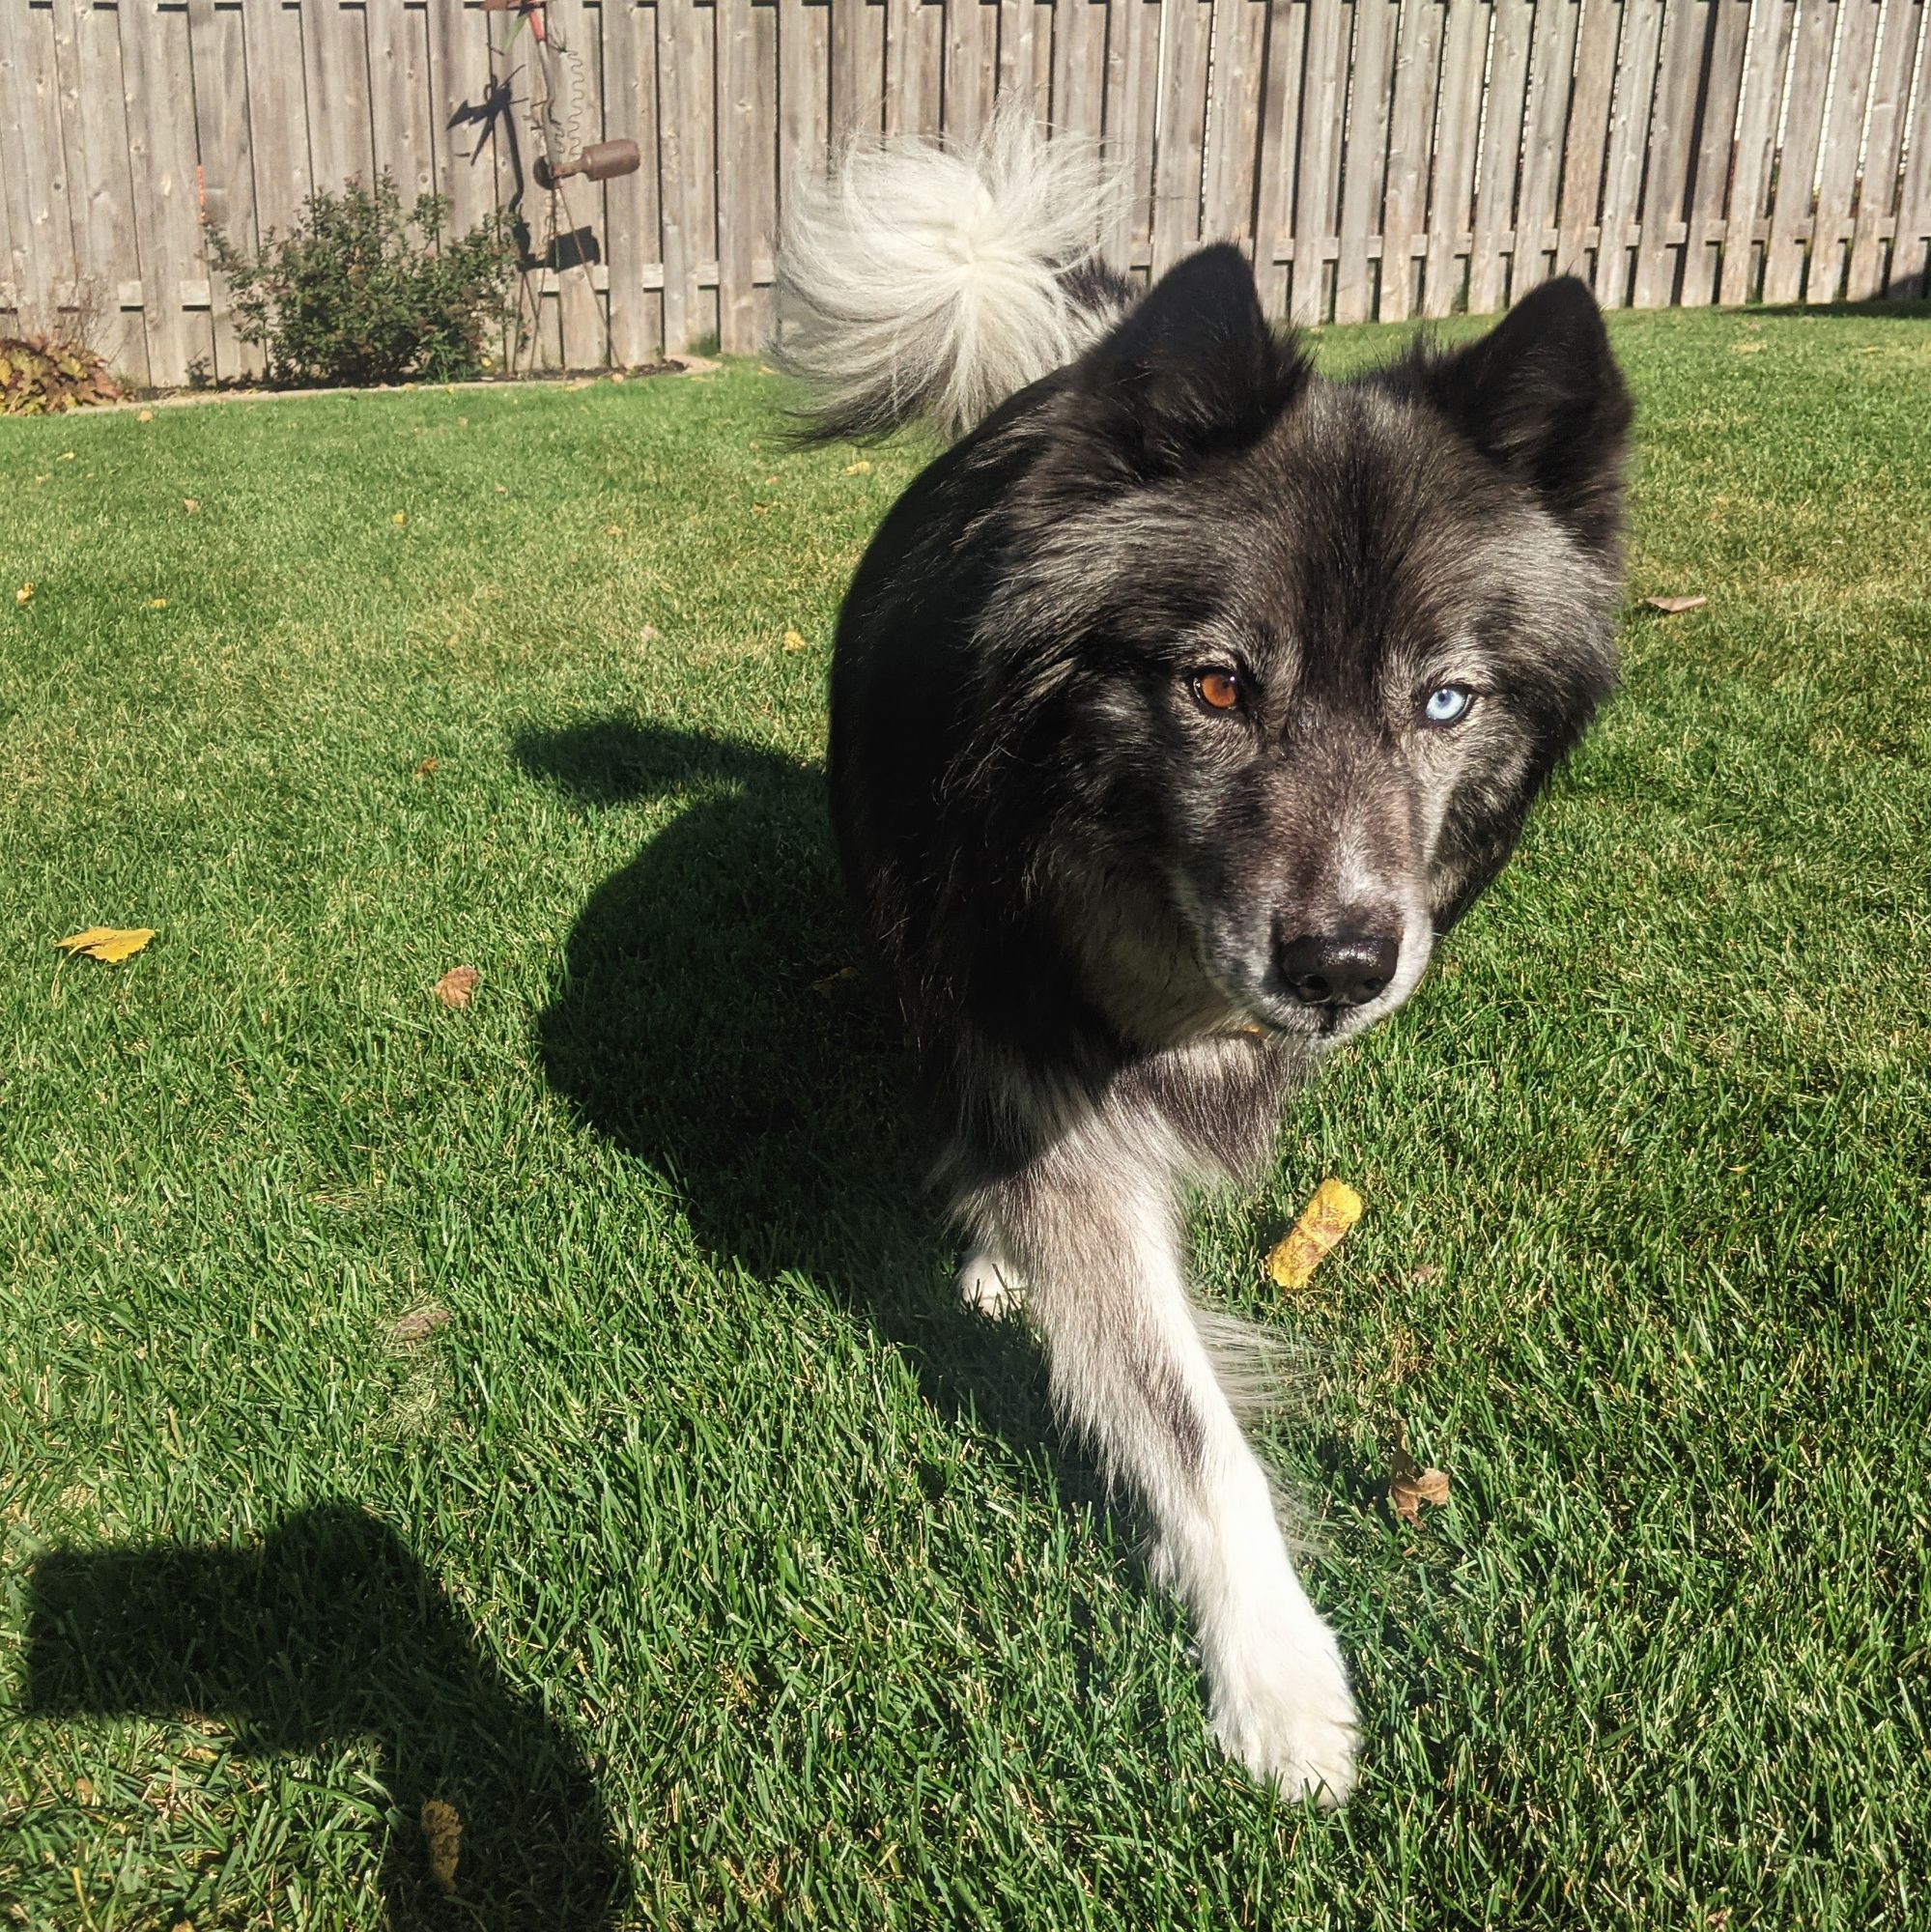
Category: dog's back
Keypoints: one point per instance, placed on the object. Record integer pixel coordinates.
(1177, 708)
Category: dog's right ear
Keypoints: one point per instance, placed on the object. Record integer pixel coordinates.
(1193, 372)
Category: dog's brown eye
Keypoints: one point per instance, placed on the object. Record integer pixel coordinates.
(1217, 690)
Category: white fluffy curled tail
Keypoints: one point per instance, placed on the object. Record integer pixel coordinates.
(924, 280)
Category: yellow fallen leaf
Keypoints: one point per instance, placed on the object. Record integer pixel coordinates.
(190, 505)
(111, 943)
(858, 468)
(400, 518)
(794, 640)
(1410, 1485)
(443, 1833)
(146, 416)
(157, 602)
(1672, 606)
(1333, 1210)
(24, 595)
(456, 985)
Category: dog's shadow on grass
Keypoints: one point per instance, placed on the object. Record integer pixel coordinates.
(327, 1632)
(713, 1018)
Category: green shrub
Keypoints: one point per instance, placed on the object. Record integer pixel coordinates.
(364, 290)
(41, 376)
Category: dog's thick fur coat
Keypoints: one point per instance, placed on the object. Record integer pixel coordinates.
(1177, 709)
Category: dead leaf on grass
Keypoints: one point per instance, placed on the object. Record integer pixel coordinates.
(111, 943)
(858, 468)
(146, 416)
(428, 765)
(1672, 606)
(418, 1325)
(442, 1834)
(832, 981)
(456, 985)
(1410, 1485)
(24, 595)
(191, 504)
(794, 640)
(1325, 1220)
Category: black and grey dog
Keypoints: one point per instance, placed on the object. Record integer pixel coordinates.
(1177, 709)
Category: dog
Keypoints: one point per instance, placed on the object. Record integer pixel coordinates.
(1177, 710)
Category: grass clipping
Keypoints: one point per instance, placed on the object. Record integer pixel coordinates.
(1325, 1220)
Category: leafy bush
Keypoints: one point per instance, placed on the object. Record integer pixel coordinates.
(362, 290)
(41, 375)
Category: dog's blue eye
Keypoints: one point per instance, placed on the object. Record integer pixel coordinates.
(1445, 705)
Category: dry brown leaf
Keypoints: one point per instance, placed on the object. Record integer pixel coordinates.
(794, 640)
(1672, 606)
(443, 1833)
(832, 981)
(419, 1323)
(111, 943)
(1333, 1210)
(858, 468)
(24, 595)
(146, 416)
(428, 765)
(1410, 1485)
(456, 985)
(191, 504)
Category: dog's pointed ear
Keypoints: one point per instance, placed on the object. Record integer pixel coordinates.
(1193, 371)
(1541, 396)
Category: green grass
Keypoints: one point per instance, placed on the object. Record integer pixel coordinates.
(707, 1562)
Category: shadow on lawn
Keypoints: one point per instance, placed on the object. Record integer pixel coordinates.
(709, 1021)
(327, 1632)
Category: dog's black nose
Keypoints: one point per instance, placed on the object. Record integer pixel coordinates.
(1337, 969)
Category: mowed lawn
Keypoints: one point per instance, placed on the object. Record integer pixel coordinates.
(554, 1408)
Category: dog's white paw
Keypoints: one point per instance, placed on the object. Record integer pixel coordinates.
(1280, 1703)
(987, 1287)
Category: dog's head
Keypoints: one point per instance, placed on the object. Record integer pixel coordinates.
(1303, 652)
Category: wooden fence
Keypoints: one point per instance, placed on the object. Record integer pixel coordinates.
(1377, 158)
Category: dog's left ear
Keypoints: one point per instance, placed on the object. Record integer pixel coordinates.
(1541, 395)
(1194, 371)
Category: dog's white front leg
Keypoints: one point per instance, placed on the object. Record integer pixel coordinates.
(989, 1285)
(1129, 1372)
